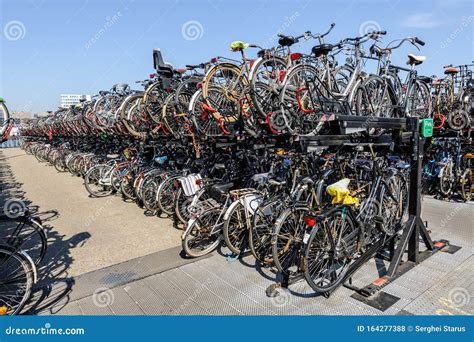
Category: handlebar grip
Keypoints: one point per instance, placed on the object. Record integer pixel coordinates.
(419, 41)
(382, 32)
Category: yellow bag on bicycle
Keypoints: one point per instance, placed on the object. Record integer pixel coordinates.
(339, 192)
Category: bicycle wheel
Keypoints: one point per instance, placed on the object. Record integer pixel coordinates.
(96, 181)
(204, 234)
(445, 179)
(26, 234)
(374, 98)
(127, 189)
(298, 106)
(327, 254)
(17, 276)
(165, 195)
(132, 115)
(260, 235)
(235, 230)
(203, 121)
(153, 101)
(181, 205)
(149, 192)
(419, 100)
(287, 239)
(266, 78)
(60, 163)
(394, 203)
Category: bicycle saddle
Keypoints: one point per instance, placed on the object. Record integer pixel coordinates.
(103, 92)
(112, 156)
(450, 71)
(415, 60)
(469, 156)
(286, 40)
(322, 50)
(307, 180)
(238, 45)
(219, 190)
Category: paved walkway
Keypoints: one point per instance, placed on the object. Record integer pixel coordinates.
(142, 276)
(94, 232)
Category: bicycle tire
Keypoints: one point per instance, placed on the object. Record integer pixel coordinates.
(21, 280)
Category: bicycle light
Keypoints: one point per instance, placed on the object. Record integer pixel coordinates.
(309, 221)
(295, 56)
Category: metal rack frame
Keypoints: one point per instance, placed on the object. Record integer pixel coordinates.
(401, 134)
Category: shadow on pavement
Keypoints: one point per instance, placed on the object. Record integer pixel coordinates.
(52, 290)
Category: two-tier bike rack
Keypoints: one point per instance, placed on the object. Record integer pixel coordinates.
(402, 135)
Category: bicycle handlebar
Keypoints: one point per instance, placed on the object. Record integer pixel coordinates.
(364, 38)
(419, 41)
(321, 35)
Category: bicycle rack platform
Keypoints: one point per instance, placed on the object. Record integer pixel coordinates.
(402, 135)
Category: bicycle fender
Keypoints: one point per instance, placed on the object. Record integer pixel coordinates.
(252, 71)
(188, 227)
(231, 207)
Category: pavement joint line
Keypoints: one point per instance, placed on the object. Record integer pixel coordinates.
(159, 268)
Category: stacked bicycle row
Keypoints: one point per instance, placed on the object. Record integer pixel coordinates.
(316, 212)
(258, 191)
(279, 92)
(448, 170)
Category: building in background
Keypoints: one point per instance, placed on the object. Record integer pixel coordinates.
(19, 116)
(68, 100)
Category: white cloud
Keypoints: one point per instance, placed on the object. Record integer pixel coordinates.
(422, 20)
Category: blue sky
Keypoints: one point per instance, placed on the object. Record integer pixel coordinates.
(49, 47)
